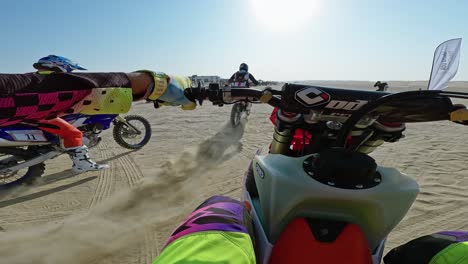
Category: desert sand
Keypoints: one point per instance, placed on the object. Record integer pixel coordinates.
(125, 214)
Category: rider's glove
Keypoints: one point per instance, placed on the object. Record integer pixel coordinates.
(169, 90)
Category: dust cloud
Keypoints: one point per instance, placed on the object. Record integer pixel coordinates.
(120, 221)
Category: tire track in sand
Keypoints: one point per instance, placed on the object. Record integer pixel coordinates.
(452, 217)
(149, 246)
(131, 171)
(105, 178)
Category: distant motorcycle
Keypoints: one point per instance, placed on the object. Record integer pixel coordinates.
(25, 148)
(239, 110)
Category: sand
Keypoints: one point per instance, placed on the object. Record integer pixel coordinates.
(124, 214)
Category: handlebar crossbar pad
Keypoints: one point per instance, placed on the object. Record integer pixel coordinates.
(301, 98)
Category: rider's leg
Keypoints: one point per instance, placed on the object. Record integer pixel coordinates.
(73, 144)
(71, 136)
(439, 248)
(220, 230)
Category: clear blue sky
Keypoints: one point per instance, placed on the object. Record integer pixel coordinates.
(302, 39)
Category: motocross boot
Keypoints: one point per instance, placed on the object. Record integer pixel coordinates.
(82, 162)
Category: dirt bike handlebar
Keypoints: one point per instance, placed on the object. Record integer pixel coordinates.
(404, 107)
(225, 95)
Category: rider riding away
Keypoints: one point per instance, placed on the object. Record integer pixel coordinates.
(240, 79)
(381, 86)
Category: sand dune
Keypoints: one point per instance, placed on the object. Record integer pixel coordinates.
(124, 215)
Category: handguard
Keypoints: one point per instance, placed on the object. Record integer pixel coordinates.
(460, 115)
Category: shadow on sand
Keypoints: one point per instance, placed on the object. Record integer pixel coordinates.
(16, 191)
(36, 195)
(117, 156)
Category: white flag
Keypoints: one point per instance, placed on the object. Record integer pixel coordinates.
(445, 64)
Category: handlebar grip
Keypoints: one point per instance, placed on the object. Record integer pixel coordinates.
(213, 94)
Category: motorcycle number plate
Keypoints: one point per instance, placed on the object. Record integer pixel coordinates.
(27, 135)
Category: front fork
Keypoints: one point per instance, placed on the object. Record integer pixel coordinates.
(133, 129)
(284, 132)
(120, 119)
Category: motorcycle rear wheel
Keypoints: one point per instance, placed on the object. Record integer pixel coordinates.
(27, 176)
(236, 114)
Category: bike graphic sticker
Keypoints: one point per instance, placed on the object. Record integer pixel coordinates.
(311, 96)
(259, 171)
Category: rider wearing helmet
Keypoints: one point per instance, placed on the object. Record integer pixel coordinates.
(240, 79)
(71, 137)
(56, 64)
(382, 86)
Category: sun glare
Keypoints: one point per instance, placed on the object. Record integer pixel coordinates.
(284, 15)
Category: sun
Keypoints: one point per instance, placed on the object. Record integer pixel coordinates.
(284, 15)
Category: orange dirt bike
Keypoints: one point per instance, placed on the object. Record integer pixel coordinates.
(327, 199)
